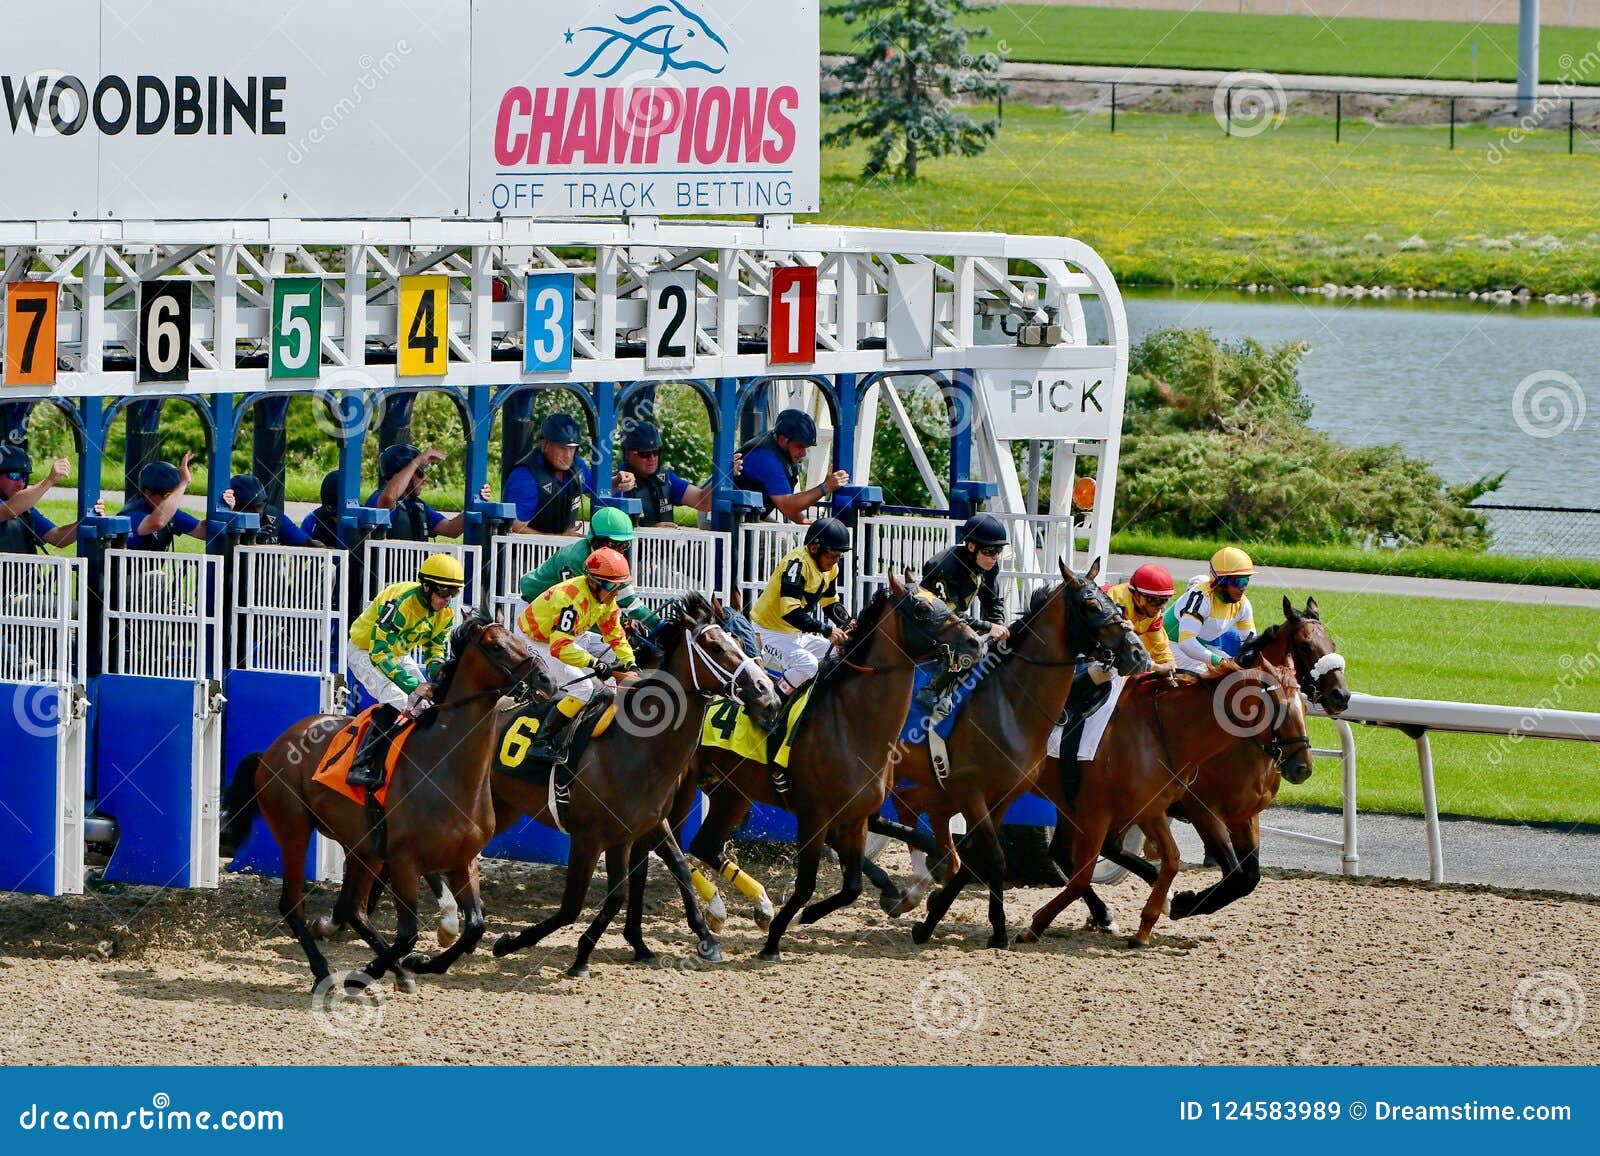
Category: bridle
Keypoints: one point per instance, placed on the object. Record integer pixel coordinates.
(1277, 748)
(727, 679)
(1099, 652)
(1309, 677)
(928, 633)
(518, 676)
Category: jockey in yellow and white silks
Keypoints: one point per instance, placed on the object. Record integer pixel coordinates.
(1214, 616)
(788, 615)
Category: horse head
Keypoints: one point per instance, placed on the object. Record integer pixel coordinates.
(1262, 703)
(669, 35)
(1096, 626)
(719, 664)
(931, 630)
(485, 655)
(1318, 665)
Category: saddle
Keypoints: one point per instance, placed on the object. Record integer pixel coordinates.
(729, 727)
(511, 756)
(334, 769)
(1085, 697)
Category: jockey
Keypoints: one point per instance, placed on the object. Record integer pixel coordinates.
(1213, 618)
(972, 568)
(555, 620)
(794, 640)
(404, 618)
(608, 529)
(1143, 598)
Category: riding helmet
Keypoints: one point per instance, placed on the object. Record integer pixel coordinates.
(561, 429)
(15, 458)
(443, 570)
(829, 534)
(641, 436)
(611, 523)
(159, 477)
(984, 530)
(394, 459)
(1152, 581)
(797, 426)
(608, 565)
(248, 493)
(1231, 562)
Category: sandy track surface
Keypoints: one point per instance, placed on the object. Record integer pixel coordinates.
(1307, 970)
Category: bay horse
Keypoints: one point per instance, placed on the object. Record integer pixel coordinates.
(626, 782)
(838, 766)
(439, 813)
(1164, 729)
(997, 742)
(1225, 802)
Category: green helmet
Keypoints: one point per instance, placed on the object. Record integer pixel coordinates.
(611, 523)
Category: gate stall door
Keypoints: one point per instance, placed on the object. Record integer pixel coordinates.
(389, 562)
(41, 675)
(897, 542)
(158, 704)
(288, 649)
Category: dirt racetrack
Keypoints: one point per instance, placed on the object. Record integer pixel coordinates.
(1307, 970)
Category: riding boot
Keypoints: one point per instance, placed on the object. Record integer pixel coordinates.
(366, 771)
(1071, 778)
(554, 739)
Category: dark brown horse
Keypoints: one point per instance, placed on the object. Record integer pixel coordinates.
(439, 813)
(1163, 731)
(1228, 795)
(837, 776)
(626, 782)
(998, 741)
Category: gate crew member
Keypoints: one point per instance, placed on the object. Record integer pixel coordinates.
(1214, 617)
(321, 525)
(794, 640)
(548, 486)
(772, 466)
(401, 471)
(661, 490)
(609, 529)
(250, 497)
(23, 529)
(554, 621)
(403, 618)
(155, 514)
(969, 569)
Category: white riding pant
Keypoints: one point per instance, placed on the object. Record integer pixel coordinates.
(377, 684)
(570, 680)
(795, 656)
(1094, 727)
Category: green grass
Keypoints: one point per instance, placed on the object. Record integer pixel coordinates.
(1466, 652)
(1168, 200)
(1294, 44)
(1457, 564)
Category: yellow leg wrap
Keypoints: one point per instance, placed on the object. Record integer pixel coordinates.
(747, 886)
(570, 706)
(703, 887)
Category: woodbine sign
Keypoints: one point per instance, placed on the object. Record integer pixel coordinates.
(228, 109)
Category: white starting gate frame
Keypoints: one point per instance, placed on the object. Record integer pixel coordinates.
(388, 562)
(510, 557)
(896, 542)
(42, 671)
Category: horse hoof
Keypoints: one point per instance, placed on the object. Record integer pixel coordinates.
(578, 971)
(418, 962)
(763, 914)
(644, 955)
(714, 922)
(999, 941)
(1180, 905)
(767, 955)
(1137, 944)
(449, 931)
(357, 982)
(893, 904)
(504, 946)
(711, 952)
(1028, 936)
(405, 983)
(921, 933)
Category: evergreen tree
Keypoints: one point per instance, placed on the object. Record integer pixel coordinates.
(900, 90)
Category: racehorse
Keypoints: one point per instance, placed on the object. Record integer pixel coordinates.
(998, 740)
(837, 775)
(625, 786)
(1165, 728)
(439, 813)
(1225, 802)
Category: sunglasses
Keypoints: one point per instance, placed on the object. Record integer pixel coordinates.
(648, 453)
(16, 476)
(1233, 583)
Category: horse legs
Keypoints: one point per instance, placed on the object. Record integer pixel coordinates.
(890, 896)
(404, 880)
(1080, 877)
(805, 883)
(986, 840)
(464, 885)
(291, 899)
(728, 809)
(618, 873)
(581, 860)
(1214, 834)
(852, 851)
(1100, 918)
(1159, 831)
(449, 908)
(677, 863)
(633, 927)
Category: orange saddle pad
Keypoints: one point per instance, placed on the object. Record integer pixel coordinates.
(340, 754)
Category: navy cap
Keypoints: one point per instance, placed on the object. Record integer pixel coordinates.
(13, 458)
(394, 459)
(641, 436)
(561, 428)
(247, 491)
(159, 477)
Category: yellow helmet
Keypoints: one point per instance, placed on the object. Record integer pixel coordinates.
(443, 570)
(1230, 561)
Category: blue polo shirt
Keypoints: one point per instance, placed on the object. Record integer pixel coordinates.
(522, 491)
(764, 467)
(407, 515)
(139, 509)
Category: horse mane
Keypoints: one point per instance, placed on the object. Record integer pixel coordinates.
(460, 639)
(1251, 650)
(860, 639)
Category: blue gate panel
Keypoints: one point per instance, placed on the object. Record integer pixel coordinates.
(530, 842)
(28, 801)
(262, 706)
(145, 777)
(1031, 811)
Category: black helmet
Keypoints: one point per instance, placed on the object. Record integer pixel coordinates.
(984, 530)
(13, 458)
(159, 477)
(247, 491)
(797, 426)
(330, 488)
(641, 435)
(561, 428)
(394, 459)
(830, 534)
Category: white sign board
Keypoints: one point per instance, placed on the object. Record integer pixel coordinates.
(670, 329)
(650, 107)
(219, 109)
(908, 322)
(1068, 403)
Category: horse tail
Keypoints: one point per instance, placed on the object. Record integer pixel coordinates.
(239, 802)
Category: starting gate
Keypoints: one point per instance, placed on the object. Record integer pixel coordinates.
(288, 633)
(388, 562)
(158, 703)
(897, 542)
(42, 667)
(512, 556)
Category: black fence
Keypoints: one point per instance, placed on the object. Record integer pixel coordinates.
(1543, 531)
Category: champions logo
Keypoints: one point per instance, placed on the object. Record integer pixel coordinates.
(678, 38)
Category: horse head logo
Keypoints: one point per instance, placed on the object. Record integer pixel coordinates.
(677, 37)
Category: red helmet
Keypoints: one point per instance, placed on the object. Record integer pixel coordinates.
(608, 565)
(1152, 580)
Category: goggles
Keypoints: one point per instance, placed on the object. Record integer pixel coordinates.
(606, 585)
(433, 589)
(16, 476)
(1234, 581)
(991, 551)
